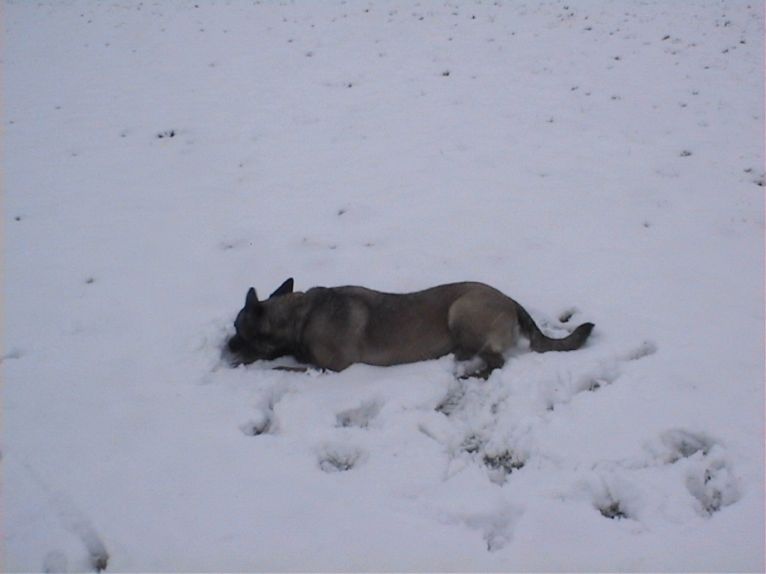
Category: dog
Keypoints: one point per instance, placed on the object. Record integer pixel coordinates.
(334, 327)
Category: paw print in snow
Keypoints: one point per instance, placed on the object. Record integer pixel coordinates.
(339, 458)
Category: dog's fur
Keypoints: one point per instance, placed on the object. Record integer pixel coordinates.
(334, 327)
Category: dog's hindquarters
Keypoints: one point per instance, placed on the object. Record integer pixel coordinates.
(483, 323)
(487, 323)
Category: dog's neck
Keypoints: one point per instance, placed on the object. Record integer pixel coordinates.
(295, 308)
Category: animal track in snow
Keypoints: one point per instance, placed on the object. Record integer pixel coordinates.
(683, 444)
(472, 443)
(264, 421)
(12, 354)
(700, 462)
(76, 522)
(258, 425)
(501, 464)
(612, 511)
(645, 349)
(610, 371)
(452, 400)
(612, 496)
(360, 416)
(563, 389)
(714, 486)
(567, 315)
(479, 437)
(339, 457)
(496, 527)
(709, 477)
(499, 459)
(596, 379)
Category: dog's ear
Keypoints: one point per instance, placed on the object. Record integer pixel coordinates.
(251, 301)
(283, 289)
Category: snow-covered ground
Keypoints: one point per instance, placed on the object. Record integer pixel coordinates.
(600, 159)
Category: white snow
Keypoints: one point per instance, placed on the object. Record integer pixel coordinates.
(601, 158)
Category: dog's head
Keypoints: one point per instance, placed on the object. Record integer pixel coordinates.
(261, 332)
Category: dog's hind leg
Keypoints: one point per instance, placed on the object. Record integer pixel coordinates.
(481, 330)
(471, 347)
(491, 361)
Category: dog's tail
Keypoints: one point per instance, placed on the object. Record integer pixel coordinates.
(541, 343)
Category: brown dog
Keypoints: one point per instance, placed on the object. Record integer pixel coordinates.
(334, 327)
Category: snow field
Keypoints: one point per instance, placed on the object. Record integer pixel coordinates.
(597, 160)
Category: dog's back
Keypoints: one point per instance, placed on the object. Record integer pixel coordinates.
(357, 324)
